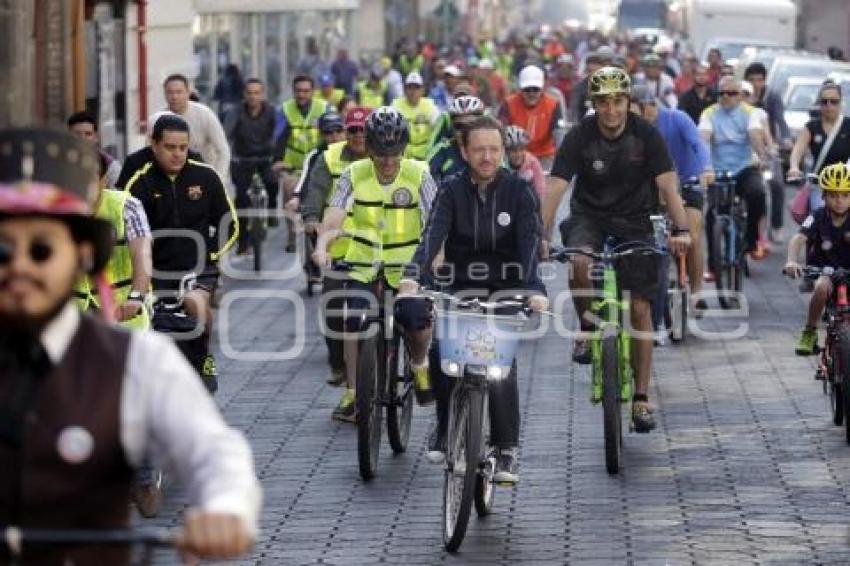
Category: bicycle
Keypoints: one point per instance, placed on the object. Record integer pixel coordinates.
(477, 342)
(610, 345)
(673, 299)
(727, 249)
(833, 367)
(384, 380)
(258, 221)
(15, 539)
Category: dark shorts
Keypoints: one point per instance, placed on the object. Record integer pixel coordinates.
(693, 198)
(637, 274)
(411, 313)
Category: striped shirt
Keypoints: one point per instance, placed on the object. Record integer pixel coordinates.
(135, 220)
(427, 192)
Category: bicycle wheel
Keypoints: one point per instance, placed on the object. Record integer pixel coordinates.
(462, 458)
(484, 487)
(400, 397)
(611, 408)
(723, 269)
(370, 387)
(257, 243)
(678, 307)
(841, 355)
(836, 397)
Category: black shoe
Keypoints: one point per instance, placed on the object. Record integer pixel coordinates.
(436, 445)
(581, 352)
(506, 473)
(642, 419)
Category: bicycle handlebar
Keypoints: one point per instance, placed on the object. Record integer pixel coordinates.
(565, 254)
(15, 537)
(813, 272)
(475, 304)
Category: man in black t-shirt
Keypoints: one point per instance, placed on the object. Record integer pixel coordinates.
(618, 165)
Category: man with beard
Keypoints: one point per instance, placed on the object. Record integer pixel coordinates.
(700, 96)
(83, 402)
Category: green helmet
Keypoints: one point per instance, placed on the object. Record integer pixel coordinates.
(610, 80)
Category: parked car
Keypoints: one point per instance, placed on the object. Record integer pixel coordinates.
(785, 67)
(801, 98)
(732, 47)
(767, 55)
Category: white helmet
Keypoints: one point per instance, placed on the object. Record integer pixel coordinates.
(466, 106)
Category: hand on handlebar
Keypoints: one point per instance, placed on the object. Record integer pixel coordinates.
(794, 175)
(321, 258)
(128, 310)
(706, 178)
(792, 269)
(538, 303)
(680, 243)
(293, 204)
(408, 287)
(214, 536)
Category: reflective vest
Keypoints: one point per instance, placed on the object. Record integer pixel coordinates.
(336, 165)
(387, 223)
(303, 132)
(406, 64)
(421, 127)
(333, 101)
(537, 122)
(370, 97)
(119, 269)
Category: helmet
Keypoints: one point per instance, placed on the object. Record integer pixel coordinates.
(515, 137)
(610, 80)
(386, 131)
(466, 106)
(835, 177)
(330, 121)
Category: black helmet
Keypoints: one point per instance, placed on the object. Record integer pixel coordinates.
(330, 121)
(386, 131)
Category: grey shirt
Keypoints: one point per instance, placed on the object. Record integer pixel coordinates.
(318, 188)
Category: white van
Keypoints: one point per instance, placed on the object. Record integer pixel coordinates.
(764, 22)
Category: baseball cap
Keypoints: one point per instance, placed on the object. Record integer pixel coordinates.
(326, 79)
(453, 71)
(642, 94)
(531, 77)
(414, 78)
(356, 117)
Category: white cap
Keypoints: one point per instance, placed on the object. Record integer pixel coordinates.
(414, 78)
(453, 70)
(531, 77)
(747, 87)
(486, 63)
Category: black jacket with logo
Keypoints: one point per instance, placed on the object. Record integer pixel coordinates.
(490, 242)
(194, 200)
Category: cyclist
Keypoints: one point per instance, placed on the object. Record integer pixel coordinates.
(373, 93)
(250, 130)
(691, 159)
(315, 197)
(659, 83)
(618, 165)
(824, 235)
(128, 271)
(182, 194)
(445, 158)
(535, 111)
(299, 136)
(328, 93)
(391, 200)
(733, 132)
(84, 125)
(421, 114)
(495, 253)
(128, 395)
(522, 162)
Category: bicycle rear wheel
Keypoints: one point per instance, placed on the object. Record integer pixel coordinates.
(370, 387)
(400, 397)
(611, 407)
(462, 458)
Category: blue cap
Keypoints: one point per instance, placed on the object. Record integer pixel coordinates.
(326, 79)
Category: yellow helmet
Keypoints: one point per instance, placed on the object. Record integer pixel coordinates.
(835, 177)
(610, 80)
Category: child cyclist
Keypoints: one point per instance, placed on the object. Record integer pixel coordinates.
(825, 234)
(521, 161)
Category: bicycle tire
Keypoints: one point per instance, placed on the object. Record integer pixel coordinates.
(611, 407)
(677, 305)
(369, 406)
(485, 489)
(462, 469)
(400, 396)
(723, 272)
(257, 244)
(842, 352)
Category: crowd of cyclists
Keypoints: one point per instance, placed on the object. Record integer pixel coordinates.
(435, 160)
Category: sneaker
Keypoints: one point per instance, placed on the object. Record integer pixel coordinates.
(209, 374)
(337, 377)
(581, 352)
(436, 445)
(506, 473)
(808, 342)
(148, 496)
(642, 419)
(699, 307)
(422, 385)
(346, 411)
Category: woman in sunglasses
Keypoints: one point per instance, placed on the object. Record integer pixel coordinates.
(821, 137)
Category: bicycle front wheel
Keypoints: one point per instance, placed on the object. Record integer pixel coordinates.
(400, 406)
(724, 271)
(257, 235)
(841, 363)
(611, 407)
(370, 387)
(462, 457)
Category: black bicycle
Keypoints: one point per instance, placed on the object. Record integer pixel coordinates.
(726, 244)
(384, 380)
(257, 224)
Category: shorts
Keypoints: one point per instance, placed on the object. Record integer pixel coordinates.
(637, 274)
(693, 197)
(411, 313)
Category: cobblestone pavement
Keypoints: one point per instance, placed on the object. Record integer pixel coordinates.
(745, 466)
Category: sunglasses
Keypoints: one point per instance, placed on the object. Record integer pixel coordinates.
(39, 252)
(729, 92)
(830, 101)
(532, 90)
(354, 130)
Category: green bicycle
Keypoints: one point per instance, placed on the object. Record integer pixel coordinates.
(612, 378)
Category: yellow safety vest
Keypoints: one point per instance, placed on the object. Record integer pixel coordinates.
(119, 269)
(387, 223)
(369, 97)
(336, 165)
(333, 101)
(421, 127)
(407, 64)
(304, 134)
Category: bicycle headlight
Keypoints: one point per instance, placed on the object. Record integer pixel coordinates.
(495, 372)
(451, 368)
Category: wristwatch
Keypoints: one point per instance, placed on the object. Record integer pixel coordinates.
(679, 231)
(136, 296)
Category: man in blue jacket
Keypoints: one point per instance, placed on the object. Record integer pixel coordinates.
(692, 161)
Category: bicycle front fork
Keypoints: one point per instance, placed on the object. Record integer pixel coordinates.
(624, 356)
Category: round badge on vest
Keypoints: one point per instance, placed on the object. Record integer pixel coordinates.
(75, 444)
(402, 197)
(826, 245)
(504, 219)
(818, 138)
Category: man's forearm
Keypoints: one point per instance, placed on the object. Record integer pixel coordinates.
(331, 224)
(555, 189)
(141, 259)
